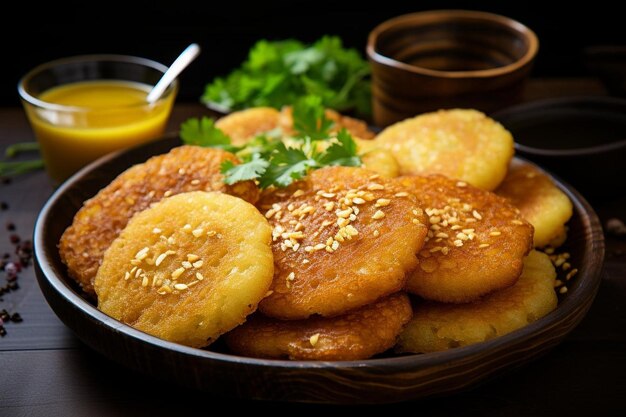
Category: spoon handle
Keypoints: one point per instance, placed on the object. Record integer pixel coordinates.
(184, 59)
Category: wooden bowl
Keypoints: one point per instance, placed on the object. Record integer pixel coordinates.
(445, 59)
(381, 380)
(581, 139)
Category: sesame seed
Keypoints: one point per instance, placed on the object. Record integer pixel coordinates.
(442, 235)
(477, 215)
(495, 233)
(186, 264)
(416, 221)
(328, 195)
(211, 233)
(445, 250)
(558, 283)
(199, 276)
(461, 236)
(402, 194)
(180, 286)
(167, 193)
(382, 202)
(378, 215)
(517, 222)
(563, 290)
(138, 272)
(132, 271)
(461, 184)
(335, 245)
(197, 232)
(319, 246)
(177, 272)
(455, 227)
(328, 249)
(435, 219)
(144, 281)
(435, 249)
(164, 290)
(171, 240)
(458, 243)
(483, 245)
(160, 258)
(376, 233)
(305, 261)
(192, 258)
(308, 248)
(571, 273)
(142, 254)
(329, 206)
(358, 200)
(375, 186)
(127, 275)
(351, 230)
(291, 276)
(298, 193)
(566, 266)
(314, 339)
(156, 230)
(344, 213)
(187, 227)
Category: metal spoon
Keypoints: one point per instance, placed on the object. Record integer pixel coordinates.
(185, 58)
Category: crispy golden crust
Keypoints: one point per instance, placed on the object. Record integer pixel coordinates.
(354, 242)
(243, 125)
(461, 144)
(100, 220)
(539, 201)
(475, 244)
(359, 334)
(437, 326)
(189, 268)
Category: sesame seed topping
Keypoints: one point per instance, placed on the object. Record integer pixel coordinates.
(127, 275)
(477, 215)
(211, 233)
(382, 202)
(375, 186)
(483, 245)
(435, 249)
(402, 194)
(461, 184)
(571, 273)
(199, 276)
(378, 215)
(435, 219)
(167, 193)
(314, 339)
(458, 243)
(305, 261)
(156, 230)
(144, 281)
(517, 222)
(187, 227)
(197, 232)
(319, 246)
(328, 195)
(563, 290)
(181, 286)
(455, 227)
(376, 233)
(495, 233)
(445, 250)
(329, 206)
(442, 235)
(334, 245)
(358, 200)
(142, 254)
(351, 230)
(161, 258)
(177, 272)
(416, 221)
(186, 264)
(298, 193)
(164, 290)
(192, 258)
(138, 272)
(291, 276)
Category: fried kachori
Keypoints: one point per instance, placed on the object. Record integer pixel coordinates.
(189, 268)
(539, 201)
(475, 244)
(359, 334)
(460, 144)
(244, 125)
(438, 326)
(100, 220)
(342, 238)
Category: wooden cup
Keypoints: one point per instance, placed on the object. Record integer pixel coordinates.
(447, 59)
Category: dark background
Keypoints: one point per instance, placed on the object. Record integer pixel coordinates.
(160, 30)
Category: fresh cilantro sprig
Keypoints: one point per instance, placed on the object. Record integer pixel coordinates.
(271, 162)
(277, 73)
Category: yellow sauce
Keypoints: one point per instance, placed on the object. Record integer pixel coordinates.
(105, 116)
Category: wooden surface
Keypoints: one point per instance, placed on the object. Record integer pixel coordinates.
(46, 371)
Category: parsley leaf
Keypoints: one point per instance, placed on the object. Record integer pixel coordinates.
(277, 73)
(286, 165)
(343, 152)
(202, 132)
(309, 118)
(250, 170)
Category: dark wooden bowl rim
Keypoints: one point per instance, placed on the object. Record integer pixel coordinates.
(451, 15)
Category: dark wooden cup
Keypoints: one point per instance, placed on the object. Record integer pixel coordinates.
(447, 59)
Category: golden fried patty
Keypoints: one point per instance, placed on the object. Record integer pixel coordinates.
(539, 201)
(460, 144)
(377, 159)
(189, 268)
(100, 220)
(359, 334)
(342, 238)
(244, 125)
(437, 326)
(475, 244)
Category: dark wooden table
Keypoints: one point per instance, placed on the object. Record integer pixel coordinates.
(46, 371)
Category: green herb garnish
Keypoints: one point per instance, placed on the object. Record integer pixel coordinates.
(269, 161)
(11, 168)
(278, 73)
